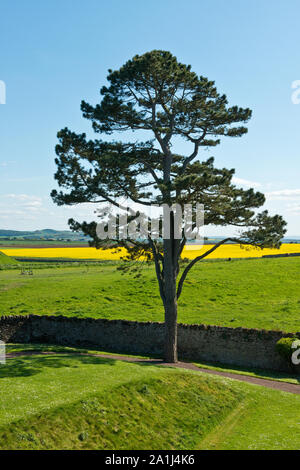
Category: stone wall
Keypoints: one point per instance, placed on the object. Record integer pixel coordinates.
(238, 346)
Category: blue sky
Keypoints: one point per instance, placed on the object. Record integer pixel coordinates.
(56, 53)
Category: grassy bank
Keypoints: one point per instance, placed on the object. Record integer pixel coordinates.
(6, 260)
(67, 401)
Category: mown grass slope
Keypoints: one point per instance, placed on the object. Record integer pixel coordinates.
(258, 293)
(67, 401)
(74, 401)
(4, 259)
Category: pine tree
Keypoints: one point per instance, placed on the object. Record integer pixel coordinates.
(156, 94)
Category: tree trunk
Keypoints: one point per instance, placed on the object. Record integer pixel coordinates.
(170, 299)
(171, 331)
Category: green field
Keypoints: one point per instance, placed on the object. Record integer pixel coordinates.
(68, 401)
(257, 293)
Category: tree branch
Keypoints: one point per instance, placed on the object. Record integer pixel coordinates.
(157, 269)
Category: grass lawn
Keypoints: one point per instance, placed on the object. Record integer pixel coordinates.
(265, 420)
(257, 293)
(79, 402)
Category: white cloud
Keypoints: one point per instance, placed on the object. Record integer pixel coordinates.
(4, 164)
(20, 205)
(284, 194)
(294, 208)
(22, 201)
(31, 212)
(22, 197)
(242, 182)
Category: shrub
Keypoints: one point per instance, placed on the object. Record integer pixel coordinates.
(284, 347)
(83, 436)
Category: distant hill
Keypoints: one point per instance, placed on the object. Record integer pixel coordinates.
(45, 234)
(67, 235)
(6, 259)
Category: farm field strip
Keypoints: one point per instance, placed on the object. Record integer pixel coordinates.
(190, 252)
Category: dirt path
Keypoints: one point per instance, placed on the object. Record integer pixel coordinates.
(274, 384)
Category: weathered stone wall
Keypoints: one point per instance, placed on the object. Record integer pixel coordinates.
(239, 346)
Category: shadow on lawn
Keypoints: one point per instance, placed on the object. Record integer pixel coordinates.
(59, 356)
(32, 365)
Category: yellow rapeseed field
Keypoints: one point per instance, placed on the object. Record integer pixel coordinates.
(190, 251)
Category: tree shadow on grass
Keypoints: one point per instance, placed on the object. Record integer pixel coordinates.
(27, 366)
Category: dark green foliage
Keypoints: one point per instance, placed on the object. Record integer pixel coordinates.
(156, 93)
(284, 347)
(188, 106)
